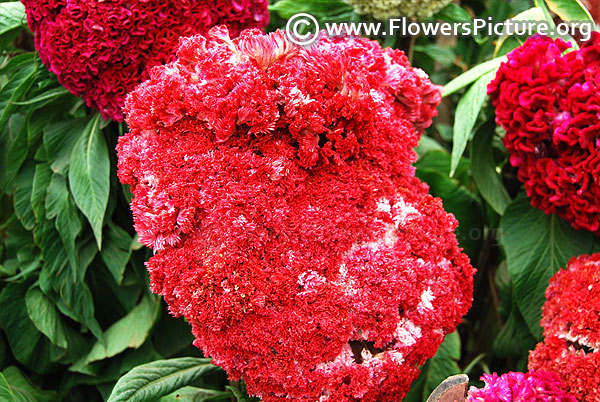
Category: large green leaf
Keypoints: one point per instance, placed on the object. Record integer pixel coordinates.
(129, 332)
(45, 316)
(89, 175)
(467, 111)
(537, 246)
(483, 167)
(154, 380)
(24, 390)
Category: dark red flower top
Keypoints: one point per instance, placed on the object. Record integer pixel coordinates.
(549, 104)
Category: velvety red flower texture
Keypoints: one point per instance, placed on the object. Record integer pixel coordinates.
(101, 50)
(534, 386)
(275, 185)
(549, 104)
(571, 322)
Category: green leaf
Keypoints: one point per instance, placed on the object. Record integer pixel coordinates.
(89, 175)
(483, 167)
(472, 75)
(59, 141)
(27, 344)
(154, 380)
(570, 10)
(24, 390)
(441, 54)
(16, 155)
(537, 246)
(12, 15)
(12, 21)
(547, 16)
(453, 13)
(116, 251)
(41, 180)
(428, 144)
(514, 339)
(193, 394)
(317, 8)
(38, 120)
(467, 111)
(437, 369)
(129, 332)
(60, 206)
(6, 393)
(14, 90)
(45, 316)
(239, 391)
(458, 200)
(44, 98)
(23, 193)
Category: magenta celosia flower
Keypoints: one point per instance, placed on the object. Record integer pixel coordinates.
(549, 105)
(100, 50)
(534, 386)
(571, 322)
(275, 185)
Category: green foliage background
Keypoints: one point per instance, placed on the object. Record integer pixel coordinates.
(76, 314)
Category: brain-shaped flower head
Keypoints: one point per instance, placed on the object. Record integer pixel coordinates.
(571, 322)
(548, 103)
(534, 386)
(275, 186)
(100, 50)
(386, 9)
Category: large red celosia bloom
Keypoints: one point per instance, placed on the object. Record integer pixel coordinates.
(571, 321)
(275, 185)
(549, 104)
(101, 50)
(534, 386)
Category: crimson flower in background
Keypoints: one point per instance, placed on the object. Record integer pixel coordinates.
(275, 185)
(534, 386)
(549, 104)
(100, 50)
(571, 322)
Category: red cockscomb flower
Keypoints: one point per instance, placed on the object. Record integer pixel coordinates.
(100, 50)
(571, 322)
(549, 104)
(275, 185)
(534, 386)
